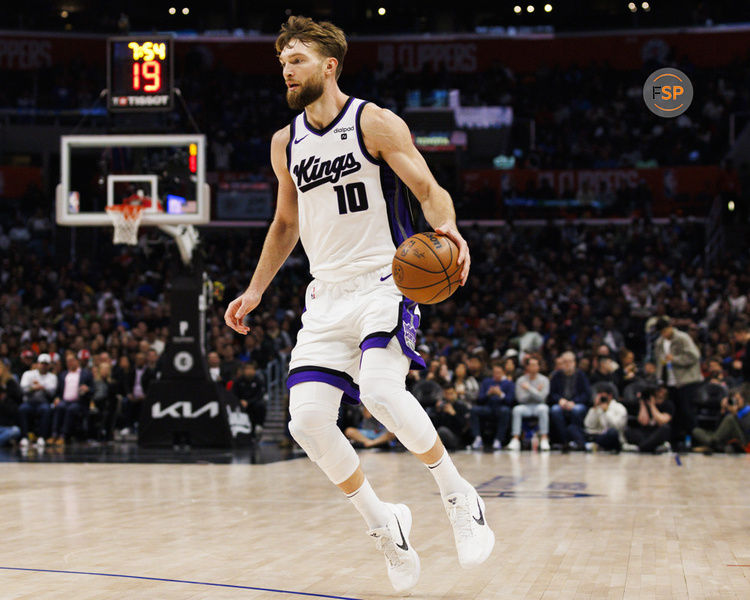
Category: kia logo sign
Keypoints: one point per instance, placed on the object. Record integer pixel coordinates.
(184, 410)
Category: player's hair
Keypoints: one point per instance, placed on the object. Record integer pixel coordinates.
(329, 40)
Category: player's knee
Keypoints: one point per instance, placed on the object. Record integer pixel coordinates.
(400, 412)
(325, 445)
(379, 397)
(308, 428)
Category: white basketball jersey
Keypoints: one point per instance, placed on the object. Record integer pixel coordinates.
(353, 209)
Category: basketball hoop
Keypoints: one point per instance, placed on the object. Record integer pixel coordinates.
(125, 218)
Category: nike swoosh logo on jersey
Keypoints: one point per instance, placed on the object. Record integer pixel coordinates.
(386, 277)
(403, 545)
(480, 520)
(300, 139)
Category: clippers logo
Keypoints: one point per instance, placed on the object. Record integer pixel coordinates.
(668, 92)
(311, 172)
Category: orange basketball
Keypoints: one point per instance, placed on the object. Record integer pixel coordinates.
(425, 268)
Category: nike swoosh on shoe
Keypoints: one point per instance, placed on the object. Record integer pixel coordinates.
(480, 520)
(403, 545)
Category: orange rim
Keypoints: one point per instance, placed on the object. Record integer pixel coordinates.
(126, 210)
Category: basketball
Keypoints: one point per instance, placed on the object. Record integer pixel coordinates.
(425, 268)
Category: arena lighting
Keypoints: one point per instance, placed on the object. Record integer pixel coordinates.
(547, 8)
(64, 14)
(646, 6)
(632, 7)
(172, 10)
(730, 205)
(517, 9)
(381, 11)
(530, 8)
(185, 11)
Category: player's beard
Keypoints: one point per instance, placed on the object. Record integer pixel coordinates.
(306, 93)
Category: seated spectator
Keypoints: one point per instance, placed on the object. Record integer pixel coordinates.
(605, 368)
(250, 390)
(532, 389)
(230, 366)
(742, 341)
(38, 386)
(475, 374)
(451, 419)
(74, 389)
(733, 432)
(654, 427)
(140, 378)
(105, 399)
(26, 363)
(606, 420)
(467, 388)
(426, 391)
(715, 393)
(629, 369)
(215, 370)
(123, 375)
(496, 395)
(612, 336)
(569, 396)
(10, 398)
(370, 433)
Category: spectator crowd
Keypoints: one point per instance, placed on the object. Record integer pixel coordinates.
(570, 326)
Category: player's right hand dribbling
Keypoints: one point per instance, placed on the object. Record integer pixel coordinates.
(238, 309)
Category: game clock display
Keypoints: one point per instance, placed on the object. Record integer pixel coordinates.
(139, 73)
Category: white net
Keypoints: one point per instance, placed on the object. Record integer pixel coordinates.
(125, 219)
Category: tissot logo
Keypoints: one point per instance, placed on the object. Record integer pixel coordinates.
(311, 172)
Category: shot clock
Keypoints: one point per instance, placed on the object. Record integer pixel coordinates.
(140, 73)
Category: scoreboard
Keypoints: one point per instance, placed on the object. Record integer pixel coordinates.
(140, 73)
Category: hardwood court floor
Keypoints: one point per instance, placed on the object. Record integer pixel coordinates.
(572, 526)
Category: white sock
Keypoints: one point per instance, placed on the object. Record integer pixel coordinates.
(447, 477)
(372, 508)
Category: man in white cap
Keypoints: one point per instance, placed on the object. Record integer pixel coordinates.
(38, 386)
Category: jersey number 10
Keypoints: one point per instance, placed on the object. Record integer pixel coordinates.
(353, 196)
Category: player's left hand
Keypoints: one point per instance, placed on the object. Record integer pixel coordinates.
(450, 230)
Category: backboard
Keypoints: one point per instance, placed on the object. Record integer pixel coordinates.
(164, 173)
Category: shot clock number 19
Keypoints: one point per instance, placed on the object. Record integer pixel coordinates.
(140, 73)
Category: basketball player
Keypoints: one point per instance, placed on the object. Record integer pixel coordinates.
(343, 167)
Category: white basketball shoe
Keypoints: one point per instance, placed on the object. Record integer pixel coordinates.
(474, 538)
(400, 557)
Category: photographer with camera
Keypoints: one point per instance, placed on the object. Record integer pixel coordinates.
(654, 427)
(733, 432)
(606, 420)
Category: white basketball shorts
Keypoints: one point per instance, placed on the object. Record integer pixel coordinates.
(342, 320)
